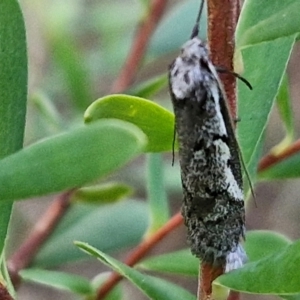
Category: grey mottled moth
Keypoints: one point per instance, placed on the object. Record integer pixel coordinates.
(213, 205)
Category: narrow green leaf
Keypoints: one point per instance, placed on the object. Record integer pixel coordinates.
(69, 160)
(13, 77)
(262, 21)
(13, 97)
(178, 262)
(157, 197)
(102, 194)
(255, 105)
(75, 72)
(47, 111)
(150, 87)
(285, 110)
(59, 280)
(152, 287)
(110, 227)
(115, 294)
(277, 274)
(287, 168)
(259, 243)
(155, 121)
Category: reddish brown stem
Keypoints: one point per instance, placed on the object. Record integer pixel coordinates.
(272, 159)
(41, 231)
(233, 295)
(4, 294)
(222, 20)
(207, 275)
(140, 251)
(139, 46)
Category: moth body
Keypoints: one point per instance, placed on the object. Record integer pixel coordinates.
(213, 206)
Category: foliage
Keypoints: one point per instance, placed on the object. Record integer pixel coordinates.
(120, 128)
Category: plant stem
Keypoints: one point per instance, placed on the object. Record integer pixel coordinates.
(140, 251)
(222, 20)
(233, 295)
(39, 234)
(271, 159)
(4, 294)
(139, 46)
(207, 275)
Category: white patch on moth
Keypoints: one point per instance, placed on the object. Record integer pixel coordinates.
(233, 188)
(236, 259)
(198, 154)
(216, 95)
(187, 64)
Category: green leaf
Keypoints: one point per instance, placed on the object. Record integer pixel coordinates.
(152, 287)
(255, 105)
(70, 60)
(13, 77)
(262, 21)
(115, 294)
(277, 274)
(13, 97)
(285, 109)
(101, 194)
(261, 243)
(263, 41)
(287, 168)
(178, 262)
(47, 111)
(150, 87)
(157, 198)
(69, 160)
(110, 227)
(155, 121)
(58, 280)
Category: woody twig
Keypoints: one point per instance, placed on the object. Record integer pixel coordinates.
(139, 45)
(222, 20)
(139, 252)
(271, 159)
(39, 234)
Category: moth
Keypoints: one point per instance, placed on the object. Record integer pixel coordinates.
(213, 200)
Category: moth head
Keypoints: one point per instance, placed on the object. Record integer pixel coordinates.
(193, 50)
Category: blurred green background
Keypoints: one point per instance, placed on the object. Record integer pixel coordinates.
(76, 49)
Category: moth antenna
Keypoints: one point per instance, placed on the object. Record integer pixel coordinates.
(195, 31)
(248, 84)
(222, 70)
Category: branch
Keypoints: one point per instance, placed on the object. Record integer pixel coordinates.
(271, 159)
(4, 294)
(140, 251)
(233, 295)
(39, 234)
(139, 46)
(222, 20)
(208, 274)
